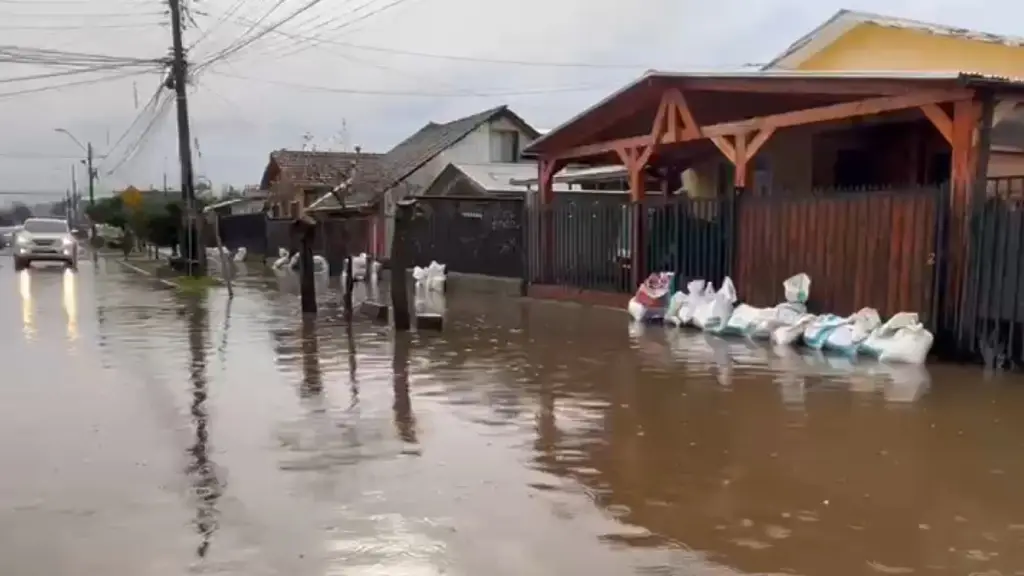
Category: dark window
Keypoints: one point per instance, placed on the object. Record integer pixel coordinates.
(853, 169)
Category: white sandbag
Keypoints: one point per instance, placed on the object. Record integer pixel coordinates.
(675, 304)
(909, 345)
(652, 297)
(848, 337)
(903, 339)
(713, 314)
(876, 341)
(788, 335)
(745, 319)
(819, 329)
(698, 292)
(771, 319)
(636, 310)
(797, 288)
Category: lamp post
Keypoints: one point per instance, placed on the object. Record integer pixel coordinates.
(87, 148)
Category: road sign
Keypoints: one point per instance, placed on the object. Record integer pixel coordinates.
(132, 197)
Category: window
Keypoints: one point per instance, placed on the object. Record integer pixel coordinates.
(504, 146)
(45, 226)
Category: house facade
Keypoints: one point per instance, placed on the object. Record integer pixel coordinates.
(905, 149)
(494, 136)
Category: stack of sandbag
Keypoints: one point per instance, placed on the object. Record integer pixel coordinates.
(839, 334)
(903, 339)
(713, 311)
(651, 301)
(762, 322)
(682, 305)
(429, 279)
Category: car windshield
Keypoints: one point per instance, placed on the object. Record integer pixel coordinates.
(45, 226)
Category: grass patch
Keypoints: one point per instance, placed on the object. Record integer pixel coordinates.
(192, 285)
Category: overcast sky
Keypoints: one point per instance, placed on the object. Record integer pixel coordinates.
(321, 74)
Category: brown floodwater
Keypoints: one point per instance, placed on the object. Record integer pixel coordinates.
(147, 433)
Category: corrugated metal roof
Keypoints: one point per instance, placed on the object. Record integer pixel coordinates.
(845, 20)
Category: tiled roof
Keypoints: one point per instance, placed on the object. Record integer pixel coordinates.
(415, 151)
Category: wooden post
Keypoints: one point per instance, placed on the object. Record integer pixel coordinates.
(227, 267)
(546, 170)
(346, 298)
(304, 226)
(404, 210)
(405, 423)
(312, 378)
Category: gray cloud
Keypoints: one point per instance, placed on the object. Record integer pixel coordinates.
(239, 121)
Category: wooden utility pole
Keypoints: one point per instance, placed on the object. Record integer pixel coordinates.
(305, 227)
(189, 238)
(404, 211)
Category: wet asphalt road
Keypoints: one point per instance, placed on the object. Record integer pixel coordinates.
(145, 433)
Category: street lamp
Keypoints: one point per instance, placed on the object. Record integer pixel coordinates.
(87, 148)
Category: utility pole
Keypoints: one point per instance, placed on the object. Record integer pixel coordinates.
(179, 74)
(92, 187)
(73, 206)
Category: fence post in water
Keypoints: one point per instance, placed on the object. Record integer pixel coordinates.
(304, 226)
(349, 281)
(404, 210)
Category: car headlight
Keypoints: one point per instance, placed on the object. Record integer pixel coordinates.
(22, 240)
(68, 241)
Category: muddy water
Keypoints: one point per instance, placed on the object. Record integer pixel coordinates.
(143, 433)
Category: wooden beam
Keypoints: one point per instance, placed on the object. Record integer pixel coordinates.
(742, 157)
(758, 141)
(680, 111)
(938, 117)
(817, 86)
(859, 108)
(723, 144)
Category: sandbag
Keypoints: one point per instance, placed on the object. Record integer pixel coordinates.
(848, 337)
(675, 304)
(903, 339)
(697, 292)
(713, 314)
(788, 334)
(652, 298)
(797, 288)
(819, 329)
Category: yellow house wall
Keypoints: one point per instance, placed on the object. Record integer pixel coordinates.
(881, 48)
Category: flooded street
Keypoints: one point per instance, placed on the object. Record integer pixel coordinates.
(146, 433)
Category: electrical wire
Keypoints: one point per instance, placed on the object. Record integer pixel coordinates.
(234, 8)
(88, 82)
(415, 94)
(224, 54)
(41, 56)
(299, 48)
(64, 73)
(152, 105)
(136, 146)
(134, 26)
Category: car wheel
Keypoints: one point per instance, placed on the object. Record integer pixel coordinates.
(71, 265)
(20, 264)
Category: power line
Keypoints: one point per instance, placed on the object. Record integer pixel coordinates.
(88, 82)
(416, 94)
(38, 156)
(134, 26)
(61, 74)
(348, 23)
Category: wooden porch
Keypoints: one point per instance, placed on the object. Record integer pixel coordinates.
(664, 123)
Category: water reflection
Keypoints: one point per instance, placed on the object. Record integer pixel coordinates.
(405, 422)
(69, 299)
(28, 327)
(206, 486)
(312, 381)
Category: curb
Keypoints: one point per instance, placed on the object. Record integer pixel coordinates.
(138, 270)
